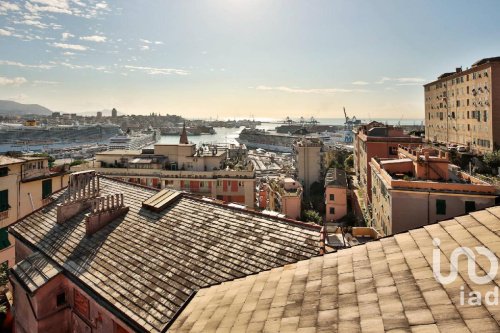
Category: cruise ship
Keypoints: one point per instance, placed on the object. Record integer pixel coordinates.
(258, 138)
(21, 136)
(134, 141)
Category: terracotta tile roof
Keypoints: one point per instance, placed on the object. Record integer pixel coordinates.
(147, 264)
(6, 160)
(385, 285)
(35, 271)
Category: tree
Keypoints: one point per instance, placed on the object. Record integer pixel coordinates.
(349, 162)
(492, 160)
(312, 216)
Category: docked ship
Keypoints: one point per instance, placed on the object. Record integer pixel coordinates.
(33, 136)
(134, 141)
(258, 138)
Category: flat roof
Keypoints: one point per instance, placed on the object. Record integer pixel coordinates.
(145, 265)
(336, 177)
(120, 152)
(386, 285)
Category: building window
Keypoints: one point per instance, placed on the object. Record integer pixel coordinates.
(4, 200)
(332, 197)
(4, 238)
(332, 210)
(4, 172)
(61, 299)
(470, 206)
(46, 188)
(440, 207)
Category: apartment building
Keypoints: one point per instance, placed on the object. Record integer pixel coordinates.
(419, 187)
(308, 162)
(377, 140)
(203, 170)
(283, 195)
(336, 189)
(463, 107)
(25, 185)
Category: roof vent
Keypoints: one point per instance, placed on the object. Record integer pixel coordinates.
(161, 200)
(82, 187)
(104, 210)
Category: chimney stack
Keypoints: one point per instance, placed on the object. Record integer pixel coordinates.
(82, 187)
(103, 211)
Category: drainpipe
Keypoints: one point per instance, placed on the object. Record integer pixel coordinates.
(428, 207)
(31, 201)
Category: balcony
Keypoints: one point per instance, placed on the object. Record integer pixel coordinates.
(4, 215)
(35, 174)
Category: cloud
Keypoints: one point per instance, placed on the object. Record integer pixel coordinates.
(402, 81)
(5, 32)
(101, 5)
(52, 6)
(19, 64)
(14, 81)
(74, 66)
(66, 35)
(6, 6)
(75, 47)
(360, 83)
(79, 3)
(43, 82)
(68, 53)
(309, 91)
(34, 23)
(144, 47)
(95, 38)
(157, 71)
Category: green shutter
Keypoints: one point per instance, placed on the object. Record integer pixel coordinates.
(4, 200)
(440, 207)
(4, 172)
(46, 188)
(4, 239)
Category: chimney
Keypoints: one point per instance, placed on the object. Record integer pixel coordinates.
(103, 211)
(82, 187)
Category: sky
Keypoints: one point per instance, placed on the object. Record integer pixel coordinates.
(239, 58)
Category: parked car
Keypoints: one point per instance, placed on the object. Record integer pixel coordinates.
(462, 149)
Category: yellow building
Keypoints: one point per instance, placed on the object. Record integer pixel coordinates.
(25, 186)
(185, 167)
(463, 107)
(308, 162)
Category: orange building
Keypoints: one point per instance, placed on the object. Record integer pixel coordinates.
(422, 187)
(377, 140)
(336, 188)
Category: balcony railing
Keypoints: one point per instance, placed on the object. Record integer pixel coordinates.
(4, 215)
(35, 173)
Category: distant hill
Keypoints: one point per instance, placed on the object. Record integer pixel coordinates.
(14, 108)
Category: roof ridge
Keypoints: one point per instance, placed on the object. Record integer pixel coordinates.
(255, 212)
